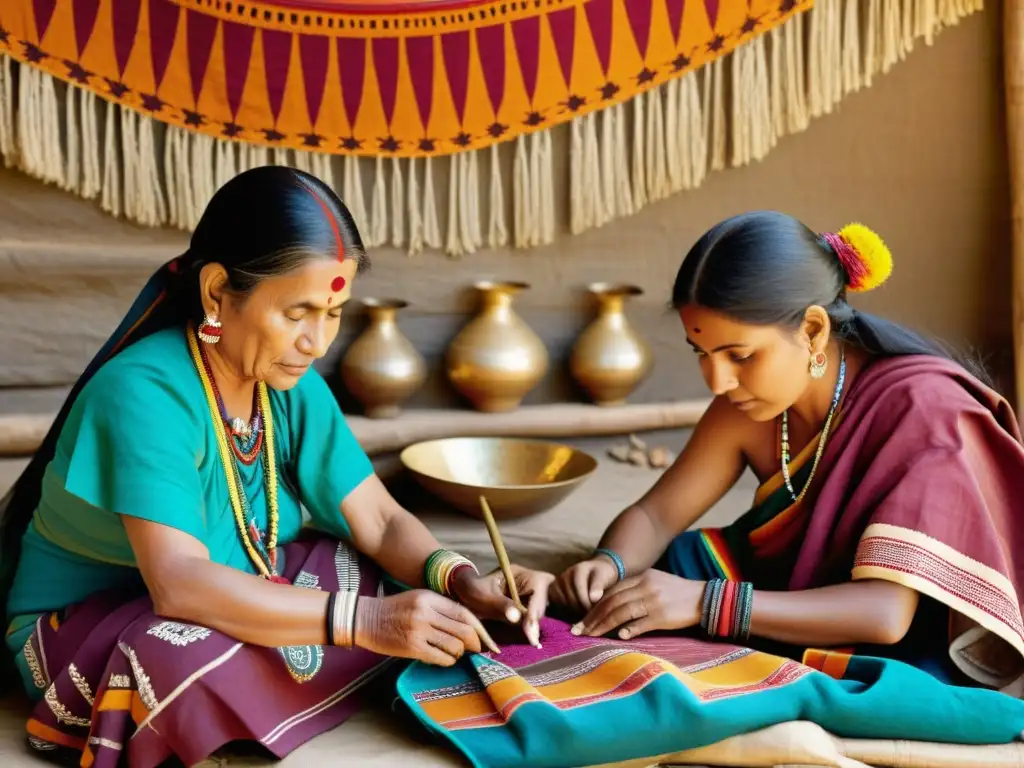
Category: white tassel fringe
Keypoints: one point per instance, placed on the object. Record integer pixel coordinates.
(620, 159)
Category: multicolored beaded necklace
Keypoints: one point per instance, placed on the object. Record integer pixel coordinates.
(821, 440)
(262, 549)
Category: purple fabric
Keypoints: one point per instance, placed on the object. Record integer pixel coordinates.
(277, 56)
(169, 688)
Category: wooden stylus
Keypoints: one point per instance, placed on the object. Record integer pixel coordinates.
(501, 554)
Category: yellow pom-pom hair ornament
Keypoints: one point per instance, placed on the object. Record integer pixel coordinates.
(865, 258)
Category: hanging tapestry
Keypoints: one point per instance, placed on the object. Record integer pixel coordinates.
(167, 99)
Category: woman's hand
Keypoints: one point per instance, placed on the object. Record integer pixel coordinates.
(488, 597)
(418, 625)
(583, 585)
(651, 601)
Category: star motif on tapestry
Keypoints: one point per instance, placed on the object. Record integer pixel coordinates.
(311, 139)
(680, 62)
(32, 53)
(717, 44)
(427, 145)
(351, 144)
(462, 140)
(534, 118)
(5, 36)
(787, 5)
(750, 25)
(271, 134)
(117, 90)
(574, 103)
(76, 72)
(646, 75)
(194, 119)
(496, 130)
(152, 103)
(389, 144)
(231, 130)
(608, 90)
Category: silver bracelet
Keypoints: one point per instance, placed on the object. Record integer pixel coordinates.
(344, 619)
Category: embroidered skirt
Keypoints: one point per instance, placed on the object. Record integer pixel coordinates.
(124, 687)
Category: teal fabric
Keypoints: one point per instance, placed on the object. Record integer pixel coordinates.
(876, 699)
(139, 441)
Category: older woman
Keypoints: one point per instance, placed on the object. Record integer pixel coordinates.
(170, 595)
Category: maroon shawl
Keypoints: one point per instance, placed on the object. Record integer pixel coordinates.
(920, 484)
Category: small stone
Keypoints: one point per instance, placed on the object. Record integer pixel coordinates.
(637, 443)
(638, 457)
(661, 457)
(619, 453)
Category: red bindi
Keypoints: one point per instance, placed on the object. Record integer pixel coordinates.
(337, 284)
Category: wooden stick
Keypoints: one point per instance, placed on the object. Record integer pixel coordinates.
(500, 553)
(1013, 77)
(21, 434)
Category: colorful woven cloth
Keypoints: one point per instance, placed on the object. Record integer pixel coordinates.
(403, 78)
(592, 701)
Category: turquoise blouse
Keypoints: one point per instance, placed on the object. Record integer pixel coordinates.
(140, 441)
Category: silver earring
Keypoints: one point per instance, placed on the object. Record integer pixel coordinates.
(209, 329)
(819, 364)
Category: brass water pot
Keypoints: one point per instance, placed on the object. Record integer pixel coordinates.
(496, 359)
(381, 368)
(609, 359)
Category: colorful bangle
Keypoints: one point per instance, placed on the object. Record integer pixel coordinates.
(342, 619)
(613, 556)
(441, 567)
(726, 609)
(329, 617)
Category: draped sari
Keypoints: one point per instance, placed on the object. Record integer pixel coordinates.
(918, 485)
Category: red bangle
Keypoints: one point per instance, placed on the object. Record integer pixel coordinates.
(728, 606)
(451, 576)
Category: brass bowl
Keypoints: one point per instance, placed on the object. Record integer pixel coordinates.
(518, 477)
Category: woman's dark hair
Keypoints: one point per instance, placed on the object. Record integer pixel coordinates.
(767, 268)
(264, 223)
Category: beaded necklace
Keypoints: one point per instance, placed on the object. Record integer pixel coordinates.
(821, 440)
(262, 550)
(246, 439)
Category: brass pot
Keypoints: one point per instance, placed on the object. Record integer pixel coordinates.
(496, 359)
(609, 359)
(381, 368)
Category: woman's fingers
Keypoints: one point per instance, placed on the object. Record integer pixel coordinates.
(612, 612)
(464, 633)
(581, 585)
(536, 608)
(449, 644)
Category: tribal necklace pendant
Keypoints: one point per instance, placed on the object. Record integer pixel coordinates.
(261, 548)
(836, 393)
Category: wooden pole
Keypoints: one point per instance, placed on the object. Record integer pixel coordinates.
(20, 435)
(1013, 58)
